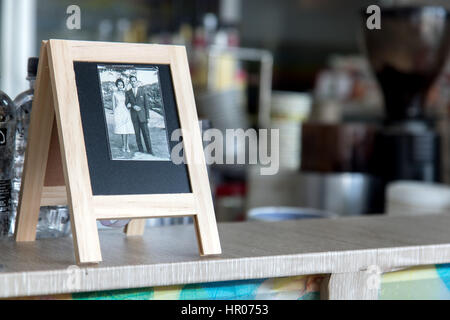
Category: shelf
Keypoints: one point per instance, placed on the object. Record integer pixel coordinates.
(254, 250)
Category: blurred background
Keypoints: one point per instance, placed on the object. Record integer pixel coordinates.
(305, 67)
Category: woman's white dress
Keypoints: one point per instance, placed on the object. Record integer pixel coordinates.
(122, 117)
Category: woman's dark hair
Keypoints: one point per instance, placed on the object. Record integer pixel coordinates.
(120, 80)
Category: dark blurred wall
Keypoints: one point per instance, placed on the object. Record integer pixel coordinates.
(302, 34)
(159, 16)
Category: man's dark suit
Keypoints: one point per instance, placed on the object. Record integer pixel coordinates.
(139, 118)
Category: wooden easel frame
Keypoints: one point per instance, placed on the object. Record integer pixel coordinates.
(56, 96)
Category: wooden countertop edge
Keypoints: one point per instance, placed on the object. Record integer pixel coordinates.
(89, 279)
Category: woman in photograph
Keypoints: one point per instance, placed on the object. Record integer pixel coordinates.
(122, 117)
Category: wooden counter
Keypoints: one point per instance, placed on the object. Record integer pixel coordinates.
(349, 249)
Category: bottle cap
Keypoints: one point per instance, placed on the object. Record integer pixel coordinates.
(33, 66)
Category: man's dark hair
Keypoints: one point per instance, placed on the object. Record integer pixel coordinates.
(132, 76)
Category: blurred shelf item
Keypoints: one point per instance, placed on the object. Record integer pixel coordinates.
(138, 31)
(229, 202)
(438, 108)
(286, 213)
(408, 151)
(225, 110)
(18, 42)
(236, 96)
(444, 130)
(346, 91)
(411, 198)
(407, 59)
(329, 148)
(344, 194)
(288, 111)
(337, 161)
(228, 65)
(347, 194)
(225, 72)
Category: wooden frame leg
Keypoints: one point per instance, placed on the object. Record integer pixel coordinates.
(36, 156)
(207, 235)
(73, 154)
(362, 285)
(135, 227)
(85, 235)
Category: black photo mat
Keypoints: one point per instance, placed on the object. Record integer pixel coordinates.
(110, 177)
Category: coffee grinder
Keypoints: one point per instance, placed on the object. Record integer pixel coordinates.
(407, 54)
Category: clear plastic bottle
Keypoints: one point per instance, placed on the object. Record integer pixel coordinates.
(7, 145)
(23, 104)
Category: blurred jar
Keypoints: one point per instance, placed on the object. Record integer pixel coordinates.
(169, 221)
(289, 110)
(336, 169)
(53, 222)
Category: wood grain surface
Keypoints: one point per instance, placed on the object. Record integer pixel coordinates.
(73, 153)
(169, 255)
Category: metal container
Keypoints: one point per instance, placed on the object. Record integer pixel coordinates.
(347, 194)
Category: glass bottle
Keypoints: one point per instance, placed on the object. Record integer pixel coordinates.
(23, 104)
(7, 145)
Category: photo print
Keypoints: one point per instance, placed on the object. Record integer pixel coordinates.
(134, 113)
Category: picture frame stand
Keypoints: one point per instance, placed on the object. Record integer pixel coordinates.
(64, 179)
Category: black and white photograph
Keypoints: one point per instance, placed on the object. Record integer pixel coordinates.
(134, 113)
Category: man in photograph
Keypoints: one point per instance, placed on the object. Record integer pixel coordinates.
(138, 103)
